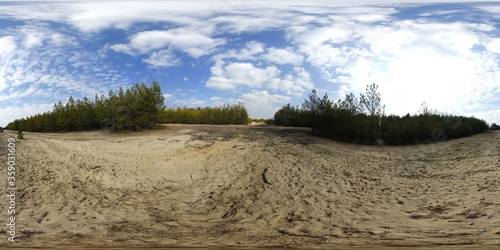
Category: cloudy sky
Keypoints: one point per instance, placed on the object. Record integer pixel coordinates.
(263, 53)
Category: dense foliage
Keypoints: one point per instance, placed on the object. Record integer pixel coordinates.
(235, 114)
(494, 126)
(137, 108)
(363, 120)
(426, 127)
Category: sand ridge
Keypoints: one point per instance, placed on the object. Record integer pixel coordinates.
(199, 185)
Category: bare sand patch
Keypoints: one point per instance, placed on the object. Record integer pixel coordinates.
(202, 185)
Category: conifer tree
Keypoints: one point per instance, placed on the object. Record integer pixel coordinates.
(371, 102)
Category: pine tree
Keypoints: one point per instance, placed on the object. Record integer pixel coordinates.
(371, 102)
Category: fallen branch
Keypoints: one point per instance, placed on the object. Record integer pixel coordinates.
(264, 178)
(232, 214)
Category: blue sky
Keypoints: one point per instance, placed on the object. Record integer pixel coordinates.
(262, 53)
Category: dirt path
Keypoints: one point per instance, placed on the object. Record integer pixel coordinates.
(203, 185)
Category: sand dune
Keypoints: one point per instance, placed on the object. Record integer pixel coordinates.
(204, 185)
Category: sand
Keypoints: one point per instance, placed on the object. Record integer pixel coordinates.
(201, 185)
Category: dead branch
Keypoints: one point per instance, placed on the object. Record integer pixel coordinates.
(264, 178)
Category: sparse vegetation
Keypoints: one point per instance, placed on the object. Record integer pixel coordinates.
(363, 120)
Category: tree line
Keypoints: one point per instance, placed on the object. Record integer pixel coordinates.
(136, 108)
(226, 114)
(363, 120)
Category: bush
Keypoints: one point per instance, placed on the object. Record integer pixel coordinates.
(20, 134)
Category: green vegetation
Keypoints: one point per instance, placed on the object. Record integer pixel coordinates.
(426, 127)
(138, 108)
(494, 126)
(20, 134)
(363, 120)
(260, 120)
(358, 120)
(235, 114)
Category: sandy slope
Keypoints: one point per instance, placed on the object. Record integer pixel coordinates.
(203, 185)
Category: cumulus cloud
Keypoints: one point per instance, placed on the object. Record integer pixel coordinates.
(411, 60)
(283, 56)
(233, 75)
(293, 83)
(261, 104)
(123, 48)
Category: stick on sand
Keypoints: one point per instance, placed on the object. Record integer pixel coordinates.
(264, 178)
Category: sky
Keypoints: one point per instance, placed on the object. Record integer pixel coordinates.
(262, 53)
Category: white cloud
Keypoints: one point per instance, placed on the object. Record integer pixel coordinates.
(219, 101)
(9, 114)
(162, 58)
(192, 102)
(58, 39)
(253, 48)
(294, 83)
(412, 61)
(350, 44)
(123, 48)
(35, 36)
(240, 74)
(493, 45)
(7, 46)
(283, 56)
(31, 73)
(185, 79)
(492, 115)
(251, 51)
(261, 104)
(32, 40)
(191, 42)
(236, 75)
(168, 96)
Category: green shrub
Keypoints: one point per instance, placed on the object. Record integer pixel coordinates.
(20, 134)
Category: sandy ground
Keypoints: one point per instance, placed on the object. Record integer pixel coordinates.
(204, 186)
